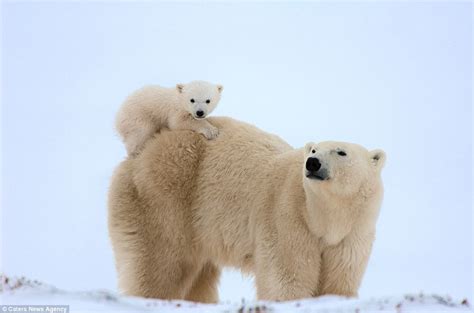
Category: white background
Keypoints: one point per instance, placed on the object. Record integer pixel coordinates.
(395, 76)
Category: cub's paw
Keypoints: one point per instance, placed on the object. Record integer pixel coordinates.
(210, 132)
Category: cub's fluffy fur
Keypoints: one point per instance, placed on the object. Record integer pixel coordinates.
(186, 207)
(152, 108)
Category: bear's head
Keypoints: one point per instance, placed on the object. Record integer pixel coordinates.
(342, 169)
(200, 97)
(343, 188)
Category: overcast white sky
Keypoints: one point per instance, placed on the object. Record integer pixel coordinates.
(395, 76)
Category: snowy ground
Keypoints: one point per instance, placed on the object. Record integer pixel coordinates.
(22, 291)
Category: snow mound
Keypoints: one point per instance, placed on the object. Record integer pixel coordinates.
(23, 291)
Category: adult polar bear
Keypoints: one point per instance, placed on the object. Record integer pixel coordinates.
(303, 221)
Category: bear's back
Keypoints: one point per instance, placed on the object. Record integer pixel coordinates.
(242, 155)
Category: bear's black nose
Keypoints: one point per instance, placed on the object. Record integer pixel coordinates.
(199, 113)
(313, 164)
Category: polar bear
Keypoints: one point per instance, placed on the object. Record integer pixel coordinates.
(301, 220)
(152, 108)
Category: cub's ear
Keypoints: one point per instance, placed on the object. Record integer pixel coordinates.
(377, 157)
(180, 87)
(308, 147)
(220, 88)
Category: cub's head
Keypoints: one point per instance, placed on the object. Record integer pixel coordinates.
(200, 97)
(343, 169)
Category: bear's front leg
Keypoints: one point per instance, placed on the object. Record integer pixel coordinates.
(343, 265)
(185, 121)
(287, 272)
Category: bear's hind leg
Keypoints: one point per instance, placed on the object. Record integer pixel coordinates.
(204, 287)
(152, 260)
(137, 138)
(152, 267)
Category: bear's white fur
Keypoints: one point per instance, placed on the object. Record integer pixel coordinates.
(185, 207)
(152, 108)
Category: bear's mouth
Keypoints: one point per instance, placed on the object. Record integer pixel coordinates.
(316, 176)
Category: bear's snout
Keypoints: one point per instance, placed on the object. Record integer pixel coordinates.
(314, 169)
(200, 113)
(313, 164)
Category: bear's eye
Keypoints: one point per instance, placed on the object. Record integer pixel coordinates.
(208, 101)
(342, 153)
(192, 100)
(313, 151)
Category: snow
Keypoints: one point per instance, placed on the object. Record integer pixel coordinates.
(22, 291)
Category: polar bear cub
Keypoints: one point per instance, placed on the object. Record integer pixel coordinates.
(152, 108)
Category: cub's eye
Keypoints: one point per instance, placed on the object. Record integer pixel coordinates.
(341, 153)
(208, 101)
(192, 100)
(313, 151)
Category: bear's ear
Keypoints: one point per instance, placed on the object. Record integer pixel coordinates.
(377, 157)
(180, 87)
(308, 147)
(220, 88)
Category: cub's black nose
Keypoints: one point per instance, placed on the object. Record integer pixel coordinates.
(200, 113)
(313, 164)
